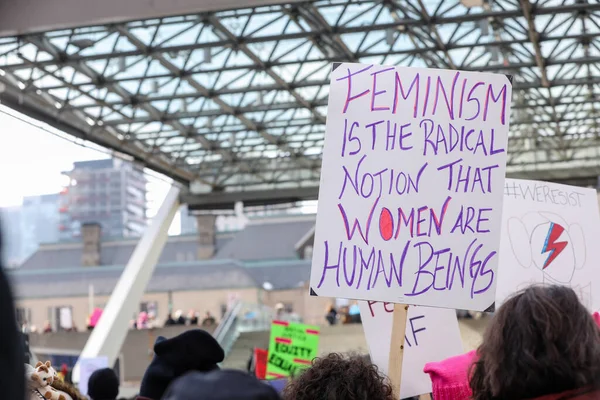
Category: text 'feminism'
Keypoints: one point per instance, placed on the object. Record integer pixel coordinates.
(414, 165)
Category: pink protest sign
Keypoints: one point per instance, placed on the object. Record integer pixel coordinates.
(410, 200)
(95, 317)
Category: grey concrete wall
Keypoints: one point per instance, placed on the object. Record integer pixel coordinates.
(137, 349)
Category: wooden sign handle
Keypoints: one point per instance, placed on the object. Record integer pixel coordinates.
(397, 347)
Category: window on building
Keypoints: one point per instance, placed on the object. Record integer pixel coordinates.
(149, 307)
(23, 316)
(61, 318)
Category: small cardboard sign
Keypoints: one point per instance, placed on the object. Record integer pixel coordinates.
(292, 348)
(432, 334)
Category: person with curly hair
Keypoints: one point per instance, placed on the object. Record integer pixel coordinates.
(335, 377)
(541, 344)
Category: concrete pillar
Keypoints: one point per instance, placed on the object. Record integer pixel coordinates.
(109, 334)
(206, 236)
(91, 234)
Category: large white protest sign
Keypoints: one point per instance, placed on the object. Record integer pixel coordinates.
(432, 334)
(410, 199)
(550, 236)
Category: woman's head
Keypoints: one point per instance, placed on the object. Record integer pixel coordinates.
(541, 341)
(336, 377)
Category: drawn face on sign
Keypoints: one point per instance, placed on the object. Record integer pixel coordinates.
(555, 248)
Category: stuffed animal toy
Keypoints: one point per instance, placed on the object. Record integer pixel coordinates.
(43, 375)
(40, 382)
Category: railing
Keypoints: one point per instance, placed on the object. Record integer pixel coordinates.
(242, 317)
(227, 333)
(255, 317)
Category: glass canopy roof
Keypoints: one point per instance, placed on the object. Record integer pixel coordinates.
(236, 100)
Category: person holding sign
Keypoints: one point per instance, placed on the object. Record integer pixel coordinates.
(541, 344)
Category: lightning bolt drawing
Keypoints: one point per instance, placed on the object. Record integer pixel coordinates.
(551, 245)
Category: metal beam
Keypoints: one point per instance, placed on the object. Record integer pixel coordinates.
(227, 200)
(216, 94)
(34, 107)
(29, 16)
(206, 93)
(312, 34)
(108, 336)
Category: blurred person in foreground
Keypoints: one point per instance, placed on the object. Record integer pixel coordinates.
(12, 353)
(337, 377)
(103, 385)
(220, 385)
(541, 344)
(193, 350)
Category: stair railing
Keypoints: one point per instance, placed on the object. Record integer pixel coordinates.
(242, 317)
(227, 333)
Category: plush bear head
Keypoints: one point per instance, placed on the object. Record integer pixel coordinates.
(44, 375)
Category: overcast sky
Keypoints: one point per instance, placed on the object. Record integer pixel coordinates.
(32, 159)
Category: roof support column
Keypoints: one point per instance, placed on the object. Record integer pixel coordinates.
(206, 235)
(108, 336)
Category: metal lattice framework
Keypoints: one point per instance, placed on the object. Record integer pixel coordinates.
(235, 101)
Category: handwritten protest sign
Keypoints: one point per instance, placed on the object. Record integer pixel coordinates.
(292, 348)
(410, 199)
(432, 334)
(549, 235)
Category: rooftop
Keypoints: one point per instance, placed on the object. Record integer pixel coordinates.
(247, 258)
(195, 275)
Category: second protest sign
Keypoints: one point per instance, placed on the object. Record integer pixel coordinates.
(292, 348)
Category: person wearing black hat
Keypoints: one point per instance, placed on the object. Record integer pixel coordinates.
(103, 385)
(220, 385)
(193, 350)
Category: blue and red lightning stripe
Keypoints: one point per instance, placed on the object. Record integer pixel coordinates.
(551, 245)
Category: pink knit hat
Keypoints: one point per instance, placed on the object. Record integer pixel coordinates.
(596, 318)
(450, 377)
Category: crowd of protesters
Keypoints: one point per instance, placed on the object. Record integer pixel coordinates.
(540, 344)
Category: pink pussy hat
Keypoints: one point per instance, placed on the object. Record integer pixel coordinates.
(596, 318)
(450, 377)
